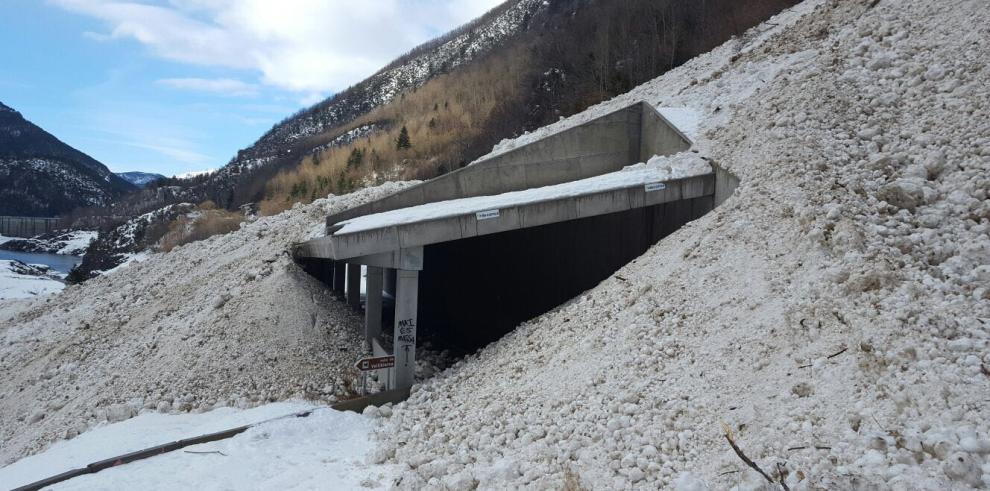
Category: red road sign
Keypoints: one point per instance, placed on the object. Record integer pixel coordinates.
(366, 364)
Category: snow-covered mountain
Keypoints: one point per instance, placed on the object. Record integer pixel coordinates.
(42, 176)
(140, 179)
(286, 140)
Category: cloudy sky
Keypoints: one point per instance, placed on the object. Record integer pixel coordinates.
(173, 86)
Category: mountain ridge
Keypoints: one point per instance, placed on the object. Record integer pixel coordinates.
(44, 176)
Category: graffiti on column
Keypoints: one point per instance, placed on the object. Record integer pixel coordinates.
(407, 336)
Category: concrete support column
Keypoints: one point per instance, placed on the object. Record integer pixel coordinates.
(406, 303)
(389, 280)
(338, 278)
(354, 286)
(373, 304)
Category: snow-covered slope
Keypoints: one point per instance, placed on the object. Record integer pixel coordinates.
(834, 314)
(70, 243)
(41, 176)
(227, 321)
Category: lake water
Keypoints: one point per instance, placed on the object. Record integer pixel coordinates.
(58, 262)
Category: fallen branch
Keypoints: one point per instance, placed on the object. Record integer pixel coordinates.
(204, 453)
(747, 460)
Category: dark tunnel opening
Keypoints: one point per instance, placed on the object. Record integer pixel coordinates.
(474, 291)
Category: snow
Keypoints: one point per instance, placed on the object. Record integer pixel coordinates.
(658, 169)
(6, 239)
(279, 452)
(18, 280)
(195, 173)
(834, 313)
(230, 321)
(685, 119)
(76, 242)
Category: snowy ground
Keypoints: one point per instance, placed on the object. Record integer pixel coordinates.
(326, 449)
(19, 280)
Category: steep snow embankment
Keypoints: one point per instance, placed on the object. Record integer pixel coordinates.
(228, 321)
(834, 314)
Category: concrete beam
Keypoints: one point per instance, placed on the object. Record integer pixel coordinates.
(410, 258)
(397, 246)
(354, 286)
(373, 303)
(404, 334)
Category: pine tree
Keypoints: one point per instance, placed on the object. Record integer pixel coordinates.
(403, 141)
(356, 157)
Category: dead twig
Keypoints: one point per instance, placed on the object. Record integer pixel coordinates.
(833, 355)
(743, 457)
(203, 453)
(829, 357)
(620, 278)
(816, 447)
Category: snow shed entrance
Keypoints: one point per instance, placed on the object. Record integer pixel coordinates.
(471, 254)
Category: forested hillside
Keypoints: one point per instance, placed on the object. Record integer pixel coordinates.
(576, 53)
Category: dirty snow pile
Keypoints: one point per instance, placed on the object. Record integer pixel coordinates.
(833, 316)
(228, 321)
(280, 451)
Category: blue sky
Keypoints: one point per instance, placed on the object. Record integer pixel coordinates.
(175, 86)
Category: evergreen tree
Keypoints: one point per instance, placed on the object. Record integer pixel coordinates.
(356, 157)
(403, 141)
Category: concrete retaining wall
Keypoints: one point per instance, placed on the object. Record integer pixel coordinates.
(27, 226)
(599, 146)
(725, 184)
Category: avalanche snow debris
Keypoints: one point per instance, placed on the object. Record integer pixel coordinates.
(149, 338)
(833, 313)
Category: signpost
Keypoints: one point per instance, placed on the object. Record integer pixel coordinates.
(376, 363)
(366, 365)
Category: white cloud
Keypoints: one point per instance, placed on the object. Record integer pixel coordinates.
(222, 86)
(307, 46)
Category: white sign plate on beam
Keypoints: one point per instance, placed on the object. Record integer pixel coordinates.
(655, 186)
(487, 214)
